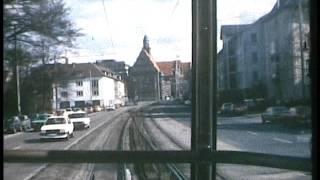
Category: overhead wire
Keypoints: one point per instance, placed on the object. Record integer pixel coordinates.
(108, 23)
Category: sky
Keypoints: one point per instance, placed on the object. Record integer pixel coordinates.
(114, 29)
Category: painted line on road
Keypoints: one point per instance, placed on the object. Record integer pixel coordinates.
(18, 147)
(11, 135)
(253, 133)
(282, 140)
(35, 172)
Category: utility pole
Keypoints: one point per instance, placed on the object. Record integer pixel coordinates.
(55, 84)
(90, 89)
(17, 69)
(301, 49)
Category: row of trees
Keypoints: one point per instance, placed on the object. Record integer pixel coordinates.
(36, 32)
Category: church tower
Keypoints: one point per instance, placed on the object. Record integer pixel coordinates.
(146, 45)
(145, 76)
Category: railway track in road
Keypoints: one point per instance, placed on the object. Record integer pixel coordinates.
(151, 131)
(142, 139)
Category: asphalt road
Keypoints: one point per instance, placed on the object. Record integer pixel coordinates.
(243, 133)
(103, 133)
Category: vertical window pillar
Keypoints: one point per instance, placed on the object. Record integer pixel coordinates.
(204, 85)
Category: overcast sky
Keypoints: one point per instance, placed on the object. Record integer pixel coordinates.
(114, 29)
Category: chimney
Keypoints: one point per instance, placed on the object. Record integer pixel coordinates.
(67, 60)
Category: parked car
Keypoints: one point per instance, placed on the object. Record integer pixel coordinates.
(97, 109)
(76, 109)
(227, 109)
(111, 108)
(12, 125)
(57, 127)
(275, 114)
(88, 109)
(80, 119)
(240, 109)
(187, 102)
(69, 109)
(300, 114)
(25, 122)
(39, 121)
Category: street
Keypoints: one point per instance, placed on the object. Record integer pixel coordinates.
(242, 133)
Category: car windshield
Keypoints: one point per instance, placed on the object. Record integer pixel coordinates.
(55, 121)
(43, 117)
(77, 115)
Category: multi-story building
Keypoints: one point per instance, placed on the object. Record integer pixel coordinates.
(270, 53)
(174, 79)
(118, 67)
(85, 84)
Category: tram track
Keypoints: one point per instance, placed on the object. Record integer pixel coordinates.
(142, 137)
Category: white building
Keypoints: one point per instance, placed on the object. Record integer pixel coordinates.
(80, 85)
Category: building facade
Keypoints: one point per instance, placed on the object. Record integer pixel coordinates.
(144, 76)
(86, 84)
(270, 54)
(174, 79)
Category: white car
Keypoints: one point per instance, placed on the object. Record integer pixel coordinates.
(57, 127)
(80, 119)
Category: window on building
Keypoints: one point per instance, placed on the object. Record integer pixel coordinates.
(64, 94)
(79, 83)
(96, 92)
(94, 83)
(79, 103)
(79, 93)
(254, 57)
(64, 104)
(255, 77)
(253, 37)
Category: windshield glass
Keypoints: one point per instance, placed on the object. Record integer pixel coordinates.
(43, 117)
(77, 115)
(51, 121)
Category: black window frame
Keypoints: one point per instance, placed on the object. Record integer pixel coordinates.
(203, 155)
(79, 83)
(79, 93)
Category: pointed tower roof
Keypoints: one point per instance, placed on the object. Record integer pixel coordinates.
(145, 55)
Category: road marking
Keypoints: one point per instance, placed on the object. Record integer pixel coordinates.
(282, 140)
(35, 172)
(11, 135)
(253, 133)
(18, 147)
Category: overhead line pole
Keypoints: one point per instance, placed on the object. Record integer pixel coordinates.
(301, 49)
(17, 70)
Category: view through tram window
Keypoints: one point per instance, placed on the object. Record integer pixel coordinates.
(263, 83)
(143, 89)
